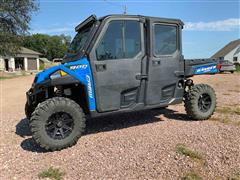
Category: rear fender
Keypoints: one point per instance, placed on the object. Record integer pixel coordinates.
(211, 68)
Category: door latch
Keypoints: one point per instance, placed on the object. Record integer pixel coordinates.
(101, 67)
(141, 76)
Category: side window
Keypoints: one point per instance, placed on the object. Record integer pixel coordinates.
(110, 46)
(165, 39)
(132, 38)
(121, 40)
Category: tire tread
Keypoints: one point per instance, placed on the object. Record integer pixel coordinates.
(193, 99)
(43, 107)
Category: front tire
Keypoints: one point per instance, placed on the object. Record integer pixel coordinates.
(200, 102)
(57, 123)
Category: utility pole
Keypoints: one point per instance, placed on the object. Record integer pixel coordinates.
(125, 9)
(117, 5)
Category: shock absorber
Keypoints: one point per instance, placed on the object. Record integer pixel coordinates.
(189, 82)
(59, 91)
(188, 85)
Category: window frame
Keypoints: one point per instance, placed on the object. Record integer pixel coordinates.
(154, 39)
(104, 30)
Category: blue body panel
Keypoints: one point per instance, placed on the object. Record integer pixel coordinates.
(79, 69)
(210, 68)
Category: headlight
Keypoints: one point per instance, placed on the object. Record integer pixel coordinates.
(58, 74)
(62, 73)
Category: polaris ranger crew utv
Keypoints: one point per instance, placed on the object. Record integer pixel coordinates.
(118, 63)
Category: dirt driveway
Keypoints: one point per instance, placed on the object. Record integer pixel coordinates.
(141, 145)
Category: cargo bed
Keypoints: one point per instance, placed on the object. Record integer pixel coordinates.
(201, 66)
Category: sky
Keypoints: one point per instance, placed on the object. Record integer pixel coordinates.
(209, 24)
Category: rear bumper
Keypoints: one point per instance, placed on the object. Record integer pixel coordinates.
(228, 68)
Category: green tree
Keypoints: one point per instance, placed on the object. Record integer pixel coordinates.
(15, 16)
(50, 46)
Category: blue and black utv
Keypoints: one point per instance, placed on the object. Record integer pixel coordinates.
(117, 63)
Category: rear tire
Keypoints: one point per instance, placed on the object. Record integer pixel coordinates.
(200, 102)
(57, 123)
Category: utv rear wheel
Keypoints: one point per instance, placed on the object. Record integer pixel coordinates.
(200, 102)
(57, 123)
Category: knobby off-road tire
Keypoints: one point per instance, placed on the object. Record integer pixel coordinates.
(200, 102)
(57, 123)
(28, 110)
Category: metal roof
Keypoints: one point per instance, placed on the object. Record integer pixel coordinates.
(178, 21)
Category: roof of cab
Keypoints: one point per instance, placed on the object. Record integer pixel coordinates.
(170, 20)
(155, 19)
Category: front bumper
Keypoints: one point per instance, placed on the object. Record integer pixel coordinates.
(30, 97)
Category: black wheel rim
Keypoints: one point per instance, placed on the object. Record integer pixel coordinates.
(204, 102)
(59, 125)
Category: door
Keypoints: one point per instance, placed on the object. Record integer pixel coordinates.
(32, 63)
(19, 63)
(6, 61)
(165, 65)
(116, 64)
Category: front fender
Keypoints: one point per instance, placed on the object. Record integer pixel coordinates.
(79, 70)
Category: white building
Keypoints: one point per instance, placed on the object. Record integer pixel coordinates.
(26, 59)
(230, 52)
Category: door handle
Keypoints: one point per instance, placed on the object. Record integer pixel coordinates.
(101, 67)
(156, 62)
(141, 76)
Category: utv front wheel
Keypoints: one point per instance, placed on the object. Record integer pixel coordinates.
(57, 123)
(200, 102)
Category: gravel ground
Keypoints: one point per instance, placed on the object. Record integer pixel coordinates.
(131, 146)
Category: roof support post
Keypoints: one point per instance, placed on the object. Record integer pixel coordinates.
(25, 63)
(11, 63)
(38, 64)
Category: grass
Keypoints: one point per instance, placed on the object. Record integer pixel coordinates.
(3, 78)
(42, 66)
(238, 68)
(191, 176)
(237, 110)
(228, 110)
(52, 173)
(226, 94)
(11, 76)
(234, 90)
(235, 176)
(226, 120)
(184, 150)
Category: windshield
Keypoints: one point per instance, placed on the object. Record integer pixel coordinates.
(79, 41)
